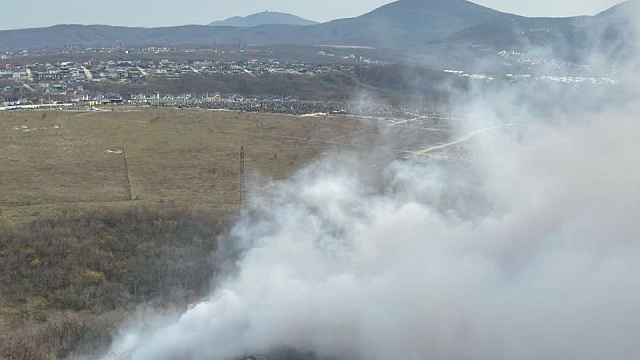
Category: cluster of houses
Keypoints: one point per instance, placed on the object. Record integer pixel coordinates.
(43, 74)
(64, 81)
(78, 96)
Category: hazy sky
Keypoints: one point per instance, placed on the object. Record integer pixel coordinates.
(39, 13)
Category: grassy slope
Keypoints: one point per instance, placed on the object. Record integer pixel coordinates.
(77, 255)
(174, 156)
(72, 244)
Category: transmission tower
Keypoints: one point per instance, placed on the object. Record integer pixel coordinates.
(241, 186)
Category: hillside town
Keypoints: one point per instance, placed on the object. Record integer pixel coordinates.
(40, 82)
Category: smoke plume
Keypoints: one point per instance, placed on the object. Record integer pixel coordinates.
(528, 251)
(531, 252)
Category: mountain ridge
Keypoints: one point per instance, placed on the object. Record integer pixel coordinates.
(405, 26)
(264, 18)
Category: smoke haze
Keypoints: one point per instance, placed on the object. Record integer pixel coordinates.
(529, 251)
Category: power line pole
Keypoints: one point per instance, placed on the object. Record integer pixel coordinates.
(126, 175)
(241, 186)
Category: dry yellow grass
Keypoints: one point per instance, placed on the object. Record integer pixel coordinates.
(67, 167)
(174, 156)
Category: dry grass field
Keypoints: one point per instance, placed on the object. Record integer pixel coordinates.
(182, 157)
(173, 156)
(85, 239)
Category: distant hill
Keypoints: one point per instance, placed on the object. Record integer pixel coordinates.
(92, 35)
(611, 34)
(431, 16)
(264, 18)
(406, 23)
(433, 29)
(630, 6)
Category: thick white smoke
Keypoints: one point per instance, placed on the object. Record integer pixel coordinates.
(531, 251)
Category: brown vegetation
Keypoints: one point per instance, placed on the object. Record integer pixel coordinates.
(77, 255)
(68, 281)
(180, 157)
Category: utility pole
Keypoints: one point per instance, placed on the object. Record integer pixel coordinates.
(241, 186)
(126, 175)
